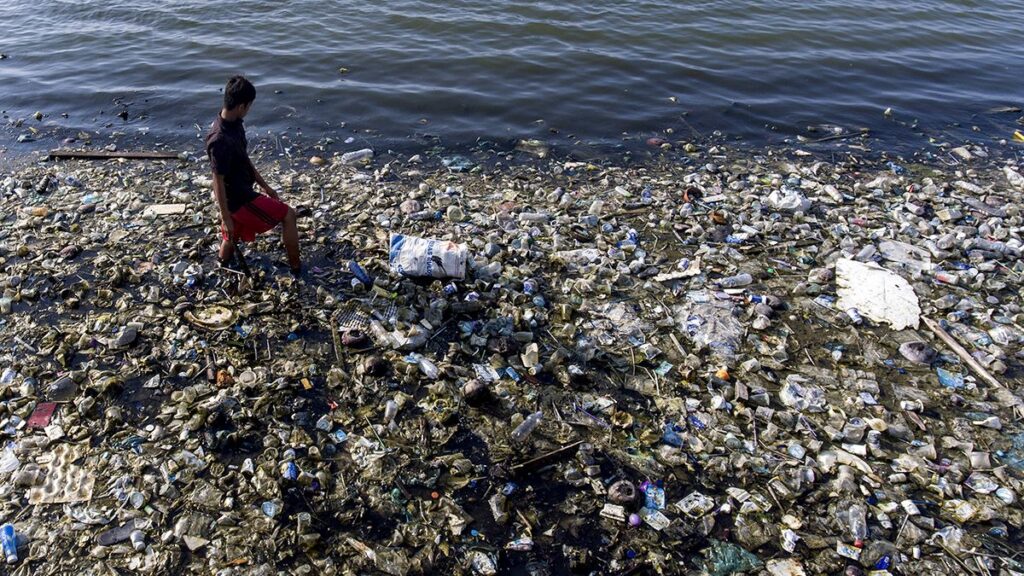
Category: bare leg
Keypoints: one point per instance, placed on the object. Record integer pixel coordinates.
(290, 237)
(227, 250)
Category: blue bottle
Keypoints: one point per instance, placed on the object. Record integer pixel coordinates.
(360, 273)
(9, 543)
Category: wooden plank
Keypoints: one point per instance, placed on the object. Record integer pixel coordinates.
(67, 154)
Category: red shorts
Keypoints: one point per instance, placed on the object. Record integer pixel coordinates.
(256, 217)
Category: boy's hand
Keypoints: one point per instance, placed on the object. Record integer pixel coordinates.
(270, 192)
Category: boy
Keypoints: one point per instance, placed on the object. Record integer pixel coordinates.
(243, 212)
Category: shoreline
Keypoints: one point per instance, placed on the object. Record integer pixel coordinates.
(893, 136)
(101, 292)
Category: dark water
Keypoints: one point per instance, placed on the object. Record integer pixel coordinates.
(594, 71)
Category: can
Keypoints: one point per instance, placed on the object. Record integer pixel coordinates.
(855, 316)
(138, 540)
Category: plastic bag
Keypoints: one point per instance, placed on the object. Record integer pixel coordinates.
(724, 558)
(715, 327)
(877, 293)
(413, 256)
(788, 200)
(796, 394)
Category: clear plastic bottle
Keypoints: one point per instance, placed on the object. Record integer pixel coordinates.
(381, 335)
(527, 427)
(857, 523)
(429, 369)
(534, 217)
(736, 281)
(364, 155)
(1003, 335)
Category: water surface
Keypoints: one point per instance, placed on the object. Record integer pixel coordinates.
(594, 71)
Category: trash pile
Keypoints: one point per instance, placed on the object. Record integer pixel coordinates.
(738, 361)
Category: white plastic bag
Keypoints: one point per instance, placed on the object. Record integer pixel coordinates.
(412, 256)
(788, 200)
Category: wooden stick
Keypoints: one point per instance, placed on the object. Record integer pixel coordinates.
(544, 457)
(961, 352)
(337, 341)
(105, 155)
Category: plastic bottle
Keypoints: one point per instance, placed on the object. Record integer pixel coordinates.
(357, 156)
(1003, 335)
(359, 273)
(736, 281)
(9, 543)
(428, 368)
(528, 425)
(857, 522)
(381, 335)
(534, 216)
(390, 411)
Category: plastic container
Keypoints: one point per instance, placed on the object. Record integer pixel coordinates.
(854, 430)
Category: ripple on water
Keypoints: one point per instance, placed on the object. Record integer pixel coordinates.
(472, 68)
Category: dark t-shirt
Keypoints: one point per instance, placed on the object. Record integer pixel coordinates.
(226, 147)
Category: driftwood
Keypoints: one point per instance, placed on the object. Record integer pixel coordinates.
(105, 155)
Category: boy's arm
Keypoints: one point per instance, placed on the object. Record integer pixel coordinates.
(259, 180)
(222, 205)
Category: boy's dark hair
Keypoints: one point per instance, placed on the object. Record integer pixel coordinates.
(238, 91)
